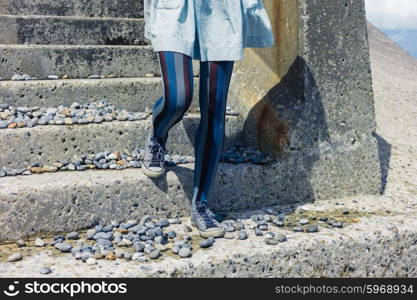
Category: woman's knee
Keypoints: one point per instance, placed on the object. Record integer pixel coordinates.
(182, 102)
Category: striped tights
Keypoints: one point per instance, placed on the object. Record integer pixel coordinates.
(177, 73)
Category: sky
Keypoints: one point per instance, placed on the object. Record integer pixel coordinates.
(398, 19)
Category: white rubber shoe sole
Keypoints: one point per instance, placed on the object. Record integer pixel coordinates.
(212, 232)
(152, 174)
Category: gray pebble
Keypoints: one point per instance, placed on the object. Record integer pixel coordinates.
(39, 242)
(146, 268)
(108, 228)
(163, 223)
(267, 218)
(172, 234)
(175, 249)
(119, 252)
(298, 229)
(279, 223)
(90, 234)
(263, 227)
(242, 235)
(15, 257)
(142, 259)
(114, 223)
(337, 224)
(45, 270)
(258, 232)
(145, 219)
(303, 221)
(184, 252)
(136, 255)
(229, 229)
(20, 243)
(281, 237)
(63, 247)
(269, 235)
(155, 254)
(312, 228)
(229, 235)
(91, 261)
(207, 243)
(73, 235)
(239, 226)
(138, 247)
(98, 228)
(105, 243)
(271, 241)
(127, 255)
(174, 221)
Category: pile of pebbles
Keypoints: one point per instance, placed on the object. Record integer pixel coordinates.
(119, 160)
(23, 77)
(93, 112)
(86, 113)
(131, 240)
(114, 160)
(241, 154)
(151, 239)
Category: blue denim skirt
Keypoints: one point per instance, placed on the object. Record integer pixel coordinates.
(208, 30)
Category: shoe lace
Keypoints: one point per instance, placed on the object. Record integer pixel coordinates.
(204, 212)
(158, 152)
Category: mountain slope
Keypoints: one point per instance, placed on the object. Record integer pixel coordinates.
(394, 74)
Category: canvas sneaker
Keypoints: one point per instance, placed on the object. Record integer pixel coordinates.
(204, 219)
(153, 164)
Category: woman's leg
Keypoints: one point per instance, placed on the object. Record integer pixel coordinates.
(214, 86)
(177, 74)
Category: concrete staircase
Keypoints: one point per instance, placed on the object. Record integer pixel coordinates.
(76, 39)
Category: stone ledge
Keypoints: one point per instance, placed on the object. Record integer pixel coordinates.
(70, 30)
(133, 94)
(86, 8)
(65, 201)
(77, 61)
(50, 143)
(378, 246)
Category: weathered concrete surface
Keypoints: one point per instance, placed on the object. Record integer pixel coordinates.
(50, 143)
(46, 198)
(85, 8)
(313, 93)
(374, 246)
(54, 30)
(77, 61)
(73, 200)
(133, 94)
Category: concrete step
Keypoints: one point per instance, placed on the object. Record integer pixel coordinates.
(50, 143)
(133, 94)
(374, 247)
(66, 201)
(86, 8)
(57, 30)
(77, 61)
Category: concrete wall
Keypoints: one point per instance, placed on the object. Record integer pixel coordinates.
(309, 102)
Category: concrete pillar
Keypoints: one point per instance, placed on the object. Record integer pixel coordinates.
(308, 101)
